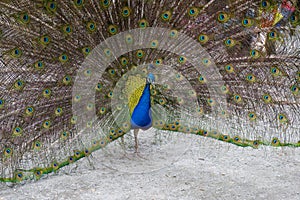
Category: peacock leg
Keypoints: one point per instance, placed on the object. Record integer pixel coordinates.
(136, 146)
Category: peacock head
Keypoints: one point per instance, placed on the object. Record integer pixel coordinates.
(150, 78)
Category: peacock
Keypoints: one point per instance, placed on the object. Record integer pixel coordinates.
(77, 75)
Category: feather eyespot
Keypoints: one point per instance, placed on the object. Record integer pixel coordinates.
(282, 118)
(19, 84)
(73, 120)
(267, 98)
(202, 38)
(91, 26)
(39, 65)
(275, 142)
(47, 124)
(17, 131)
(272, 35)
(112, 29)
(143, 23)
(206, 62)
(58, 111)
(154, 44)
(105, 3)
(140, 54)
(181, 59)
(51, 7)
(23, 18)
(8, 152)
(265, 4)
(47, 93)
(173, 33)
(126, 12)
(166, 16)
(102, 110)
(110, 94)
(252, 116)
(67, 80)
(16, 53)
(63, 58)
(229, 68)
(129, 39)
(29, 111)
(229, 42)
(223, 17)
(78, 3)
(67, 29)
(86, 51)
(124, 61)
(98, 87)
(275, 71)
(246, 22)
(250, 78)
(19, 176)
(237, 98)
(37, 145)
(64, 135)
(294, 19)
(224, 89)
(202, 79)
(254, 53)
(294, 89)
(158, 62)
(193, 12)
(211, 102)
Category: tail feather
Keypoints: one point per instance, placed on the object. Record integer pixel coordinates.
(223, 69)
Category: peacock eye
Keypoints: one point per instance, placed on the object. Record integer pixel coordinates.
(193, 12)
(106, 2)
(78, 3)
(112, 29)
(247, 22)
(265, 4)
(223, 17)
(24, 18)
(52, 5)
(293, 18)
(125, 12)
(166, 16)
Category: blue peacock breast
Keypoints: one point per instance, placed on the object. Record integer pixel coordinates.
(141, 117)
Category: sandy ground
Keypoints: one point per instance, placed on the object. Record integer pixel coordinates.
(172, 166)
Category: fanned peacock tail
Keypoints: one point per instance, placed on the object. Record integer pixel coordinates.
(72, 73)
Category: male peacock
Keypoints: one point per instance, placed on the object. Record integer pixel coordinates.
(76, 75)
